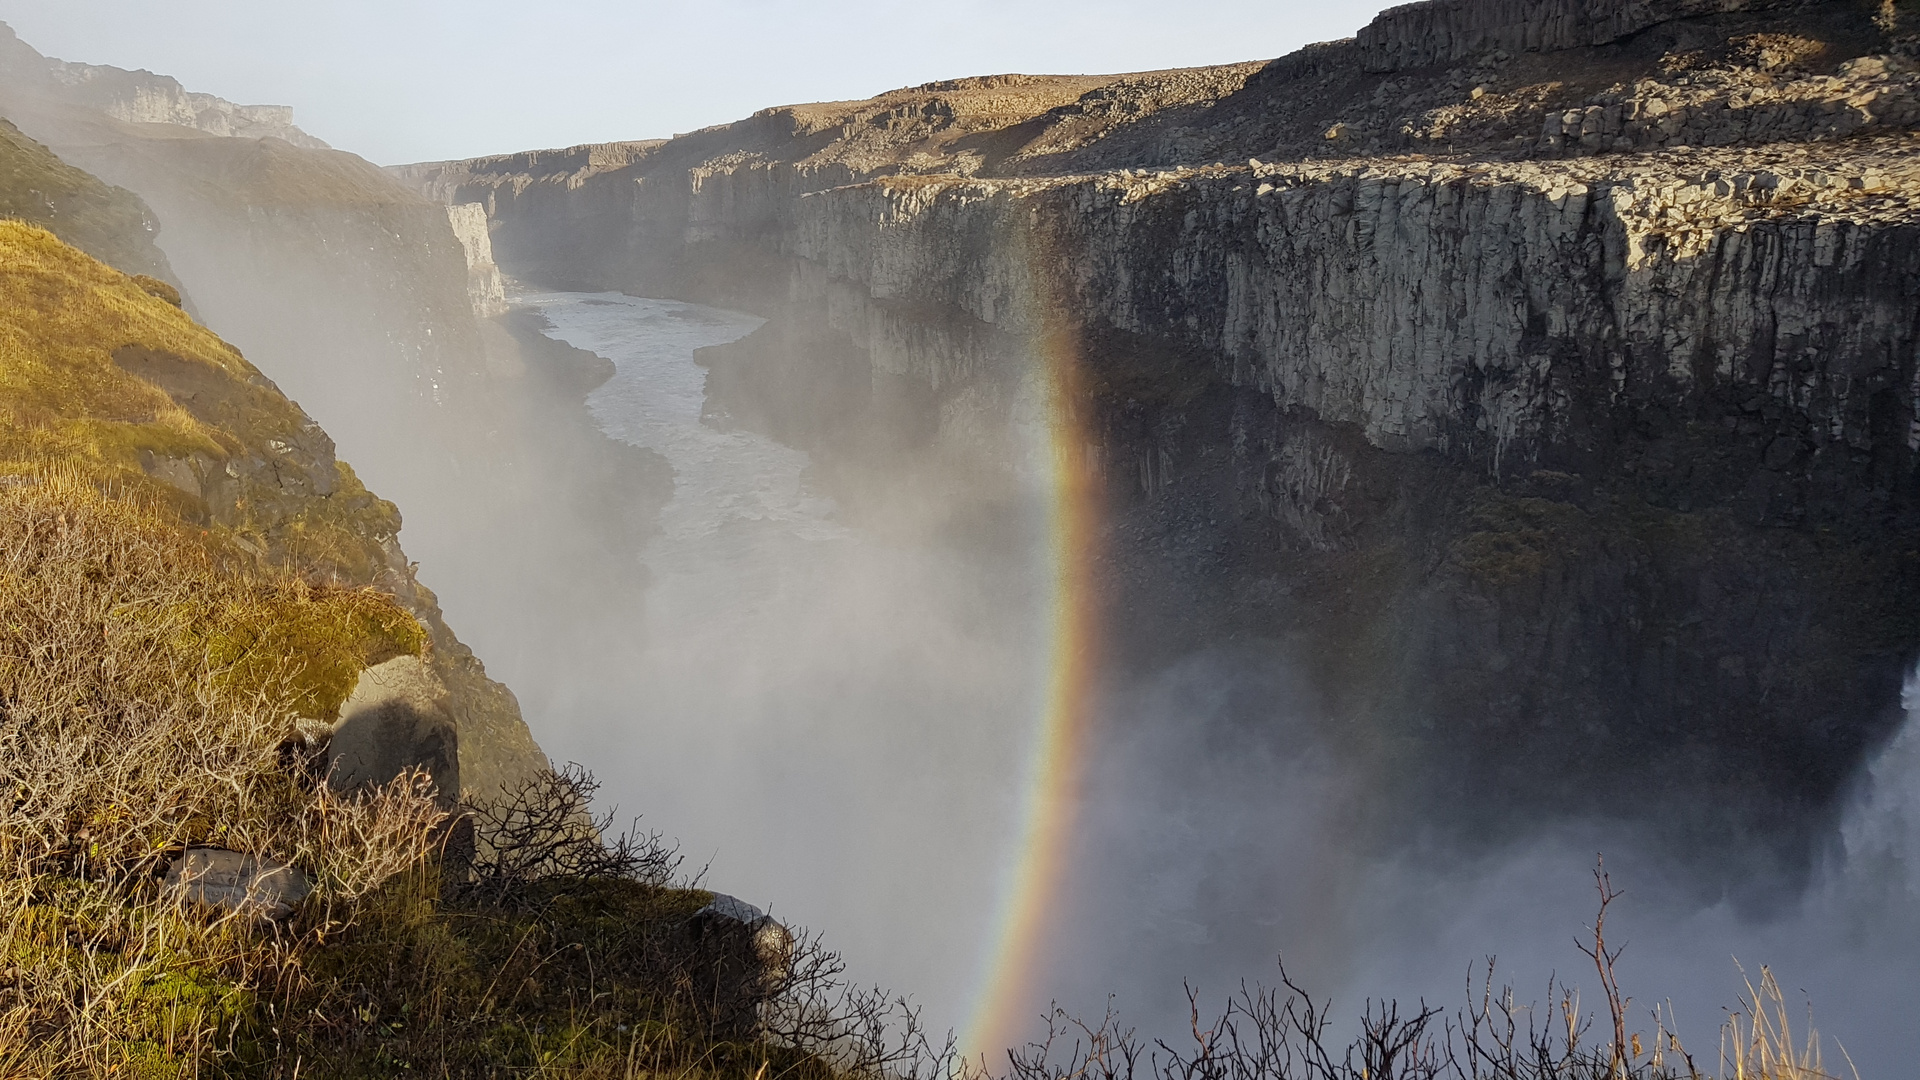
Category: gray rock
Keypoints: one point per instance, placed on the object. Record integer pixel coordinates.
(397, 718)
(486, 289)
(743, 957)
(730, 907)
(770, 942)
(248, 884)
(1414, 35)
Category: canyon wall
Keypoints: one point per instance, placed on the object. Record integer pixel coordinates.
(142, 97)
(1541, 377)
(486, 289)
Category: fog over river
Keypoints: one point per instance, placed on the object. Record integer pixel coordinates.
(836, 708)
(835, 717)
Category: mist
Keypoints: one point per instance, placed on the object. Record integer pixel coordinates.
(820, 664)
(828, 691)
(1227, 837)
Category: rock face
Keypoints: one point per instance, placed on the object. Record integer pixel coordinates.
(245, 884)
(141, 97)
(486, 289)
(1540, 378)
(1416, 35)
(398, 718)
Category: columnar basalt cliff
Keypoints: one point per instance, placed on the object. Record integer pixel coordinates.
(1542, 377)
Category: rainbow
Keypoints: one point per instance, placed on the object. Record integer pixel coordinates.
(1053, 787)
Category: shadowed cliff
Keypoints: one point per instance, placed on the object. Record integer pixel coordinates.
(1537, 379)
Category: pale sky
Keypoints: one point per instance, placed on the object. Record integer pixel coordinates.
(412, 80)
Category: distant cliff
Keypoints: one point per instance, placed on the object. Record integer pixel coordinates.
(1544, 375)
(141, 97)
(350, 287)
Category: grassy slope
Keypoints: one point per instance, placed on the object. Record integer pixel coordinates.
(109, 223)
(160, 632)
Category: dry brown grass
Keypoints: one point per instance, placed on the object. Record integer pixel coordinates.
(131, 729)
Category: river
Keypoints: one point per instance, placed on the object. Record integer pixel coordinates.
(831, 720)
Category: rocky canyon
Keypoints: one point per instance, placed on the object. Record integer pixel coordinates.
(1539, 379)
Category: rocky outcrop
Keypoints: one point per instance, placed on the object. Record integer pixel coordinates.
(486, 289)
(397, 719)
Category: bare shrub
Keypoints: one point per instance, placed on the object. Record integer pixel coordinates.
(545, 828)
(126, 736)
(861, 1031)
(1281, 1033)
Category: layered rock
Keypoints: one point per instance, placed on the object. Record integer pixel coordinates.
(1541, 378)
(142, 97)
(486, 289)
(1417, 35)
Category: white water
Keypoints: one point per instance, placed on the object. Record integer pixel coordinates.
(834, 717)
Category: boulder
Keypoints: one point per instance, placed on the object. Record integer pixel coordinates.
(770, 942)
(744, 955)
(249, 884)
(397, 718)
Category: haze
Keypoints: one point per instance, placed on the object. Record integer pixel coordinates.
(425, 80)
(793, 604)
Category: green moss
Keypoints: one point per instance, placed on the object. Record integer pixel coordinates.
(180, 994)
(176, 1005)
(1513, 540)
(310, 643)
